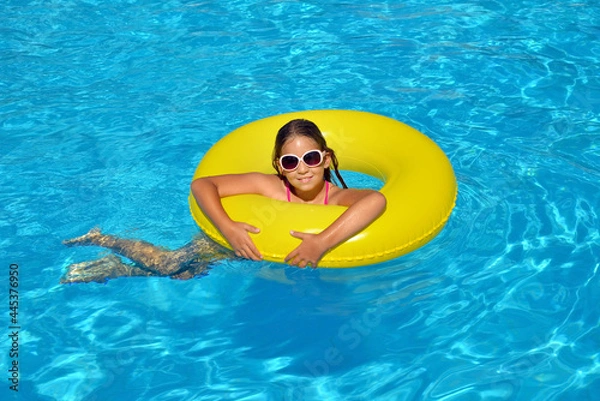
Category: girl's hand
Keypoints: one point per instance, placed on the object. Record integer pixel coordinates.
(239, 239)
(308, 253)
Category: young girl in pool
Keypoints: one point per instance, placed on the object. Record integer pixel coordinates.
(303, 164)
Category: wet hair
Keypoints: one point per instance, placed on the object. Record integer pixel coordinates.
(306, 128)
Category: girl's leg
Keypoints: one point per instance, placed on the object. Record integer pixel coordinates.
(201, 250)
(101, 270)
(148, 256)
(143, 253)
(199, 254)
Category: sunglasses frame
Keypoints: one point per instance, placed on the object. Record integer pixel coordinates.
(300, 159)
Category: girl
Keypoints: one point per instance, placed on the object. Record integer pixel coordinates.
(303, 164)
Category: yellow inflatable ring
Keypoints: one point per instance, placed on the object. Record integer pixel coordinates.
(419, 185)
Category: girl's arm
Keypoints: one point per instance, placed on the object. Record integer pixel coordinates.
(364, 207)
(208, 192)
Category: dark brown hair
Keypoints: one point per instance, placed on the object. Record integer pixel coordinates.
(306, 128)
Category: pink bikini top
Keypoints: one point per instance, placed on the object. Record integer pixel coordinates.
(289, 198)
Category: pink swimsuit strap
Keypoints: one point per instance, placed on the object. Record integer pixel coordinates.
(289, 196)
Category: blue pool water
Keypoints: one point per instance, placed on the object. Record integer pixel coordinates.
(106, 107)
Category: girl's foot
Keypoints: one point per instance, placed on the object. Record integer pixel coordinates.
(85, 239)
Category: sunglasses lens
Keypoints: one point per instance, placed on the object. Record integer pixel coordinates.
(312, 158)
(289, 162)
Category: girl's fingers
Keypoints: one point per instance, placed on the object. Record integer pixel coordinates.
(293, 260)
(252, 229)
(242, 243)
(290, 258)
(255, 254)
(250, 252)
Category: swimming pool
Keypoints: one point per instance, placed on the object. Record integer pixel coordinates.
(107, 107)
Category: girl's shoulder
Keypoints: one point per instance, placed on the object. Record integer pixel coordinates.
(347, 196)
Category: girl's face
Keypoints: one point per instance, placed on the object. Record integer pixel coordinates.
(304, 178)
